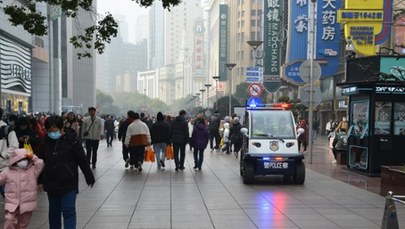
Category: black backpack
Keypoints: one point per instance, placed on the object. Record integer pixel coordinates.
(4, 132)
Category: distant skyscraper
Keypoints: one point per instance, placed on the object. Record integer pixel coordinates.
(142, 30)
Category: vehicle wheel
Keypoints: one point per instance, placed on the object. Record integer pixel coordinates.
(249, 174)
(299, 176)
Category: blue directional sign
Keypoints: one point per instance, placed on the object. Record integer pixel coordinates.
(254, 74)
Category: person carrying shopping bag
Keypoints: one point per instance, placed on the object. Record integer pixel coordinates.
(160, 135)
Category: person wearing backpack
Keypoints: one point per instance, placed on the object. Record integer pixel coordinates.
(8, 143)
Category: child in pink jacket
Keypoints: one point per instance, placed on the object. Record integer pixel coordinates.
(20, 179)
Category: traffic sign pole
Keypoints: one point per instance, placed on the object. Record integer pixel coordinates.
(311, 93)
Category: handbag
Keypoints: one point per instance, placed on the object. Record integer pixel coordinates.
(85, 133)
(169, 152)
(149, 155)
(28, 146)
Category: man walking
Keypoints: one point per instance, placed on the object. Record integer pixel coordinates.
(180, 137)
(92, 132)
(137, 138)
(213, 130)
(109, 130)
(160, 133)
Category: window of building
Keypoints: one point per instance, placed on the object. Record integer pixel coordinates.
(243, 23)
(243, 13)
(253, 13)
(253, 23)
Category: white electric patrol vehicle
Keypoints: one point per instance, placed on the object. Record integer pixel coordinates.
(270, 145)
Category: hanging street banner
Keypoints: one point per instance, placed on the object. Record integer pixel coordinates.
(297, 47)
(272, 32)
(223, 42)
(328, 36)
(366, 23)
(298, 36)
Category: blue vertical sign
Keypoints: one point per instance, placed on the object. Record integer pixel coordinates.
(298, 22)
(328, 36)
(223, 42)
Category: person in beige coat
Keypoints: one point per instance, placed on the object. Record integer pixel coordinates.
(136, 139)
(92, 133)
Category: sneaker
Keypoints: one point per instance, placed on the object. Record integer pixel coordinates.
(127, 163)
(132, 167)
(177, 169)
(334, 161)
(140, 168)
(195, 167)
(182, 168)
(94, 166)
(162, 163)
(199, 168)
(159, 167)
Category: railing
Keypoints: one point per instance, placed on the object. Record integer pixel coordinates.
(390, 219)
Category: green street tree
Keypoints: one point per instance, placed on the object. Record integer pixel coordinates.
(96, 37)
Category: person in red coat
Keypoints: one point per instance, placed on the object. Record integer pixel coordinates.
(303, 138)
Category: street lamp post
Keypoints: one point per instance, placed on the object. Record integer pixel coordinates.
(230, 66)
(256, 54)
(216, 78)
(208, 94)
(202, 96)
(198, 95)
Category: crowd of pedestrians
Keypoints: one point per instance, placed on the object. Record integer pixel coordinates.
(45, 153)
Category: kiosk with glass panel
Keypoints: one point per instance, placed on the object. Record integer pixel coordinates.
(376, 113)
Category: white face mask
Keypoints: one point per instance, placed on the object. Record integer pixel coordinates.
(22, 164)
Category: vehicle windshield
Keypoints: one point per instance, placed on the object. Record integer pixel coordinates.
(272, 124)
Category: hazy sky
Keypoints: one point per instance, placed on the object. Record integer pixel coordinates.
(130, 9)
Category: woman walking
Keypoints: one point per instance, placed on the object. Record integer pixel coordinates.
(199, 141)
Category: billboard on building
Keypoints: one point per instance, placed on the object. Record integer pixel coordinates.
(365, 23)
(223, 42)
(328, 36)
(272, 44)
(199, 60)
(15, 64)
(298, 34)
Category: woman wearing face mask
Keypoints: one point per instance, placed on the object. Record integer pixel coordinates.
(63, 154)
(20, 179)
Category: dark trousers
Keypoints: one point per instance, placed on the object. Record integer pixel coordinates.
(136, 155)
(198, 157)
(62, 205)
(214, 134)
(125, 152)
(109, 137)
(91, 150)
(304, 144)
(179, 159)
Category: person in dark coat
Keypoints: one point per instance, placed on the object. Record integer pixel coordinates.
(179, 137)
(199, 141)
(160, 134)
(122, 133)
(25, 133)
(236, 136)
(213, 130)
(63, 154)
(109, 130)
